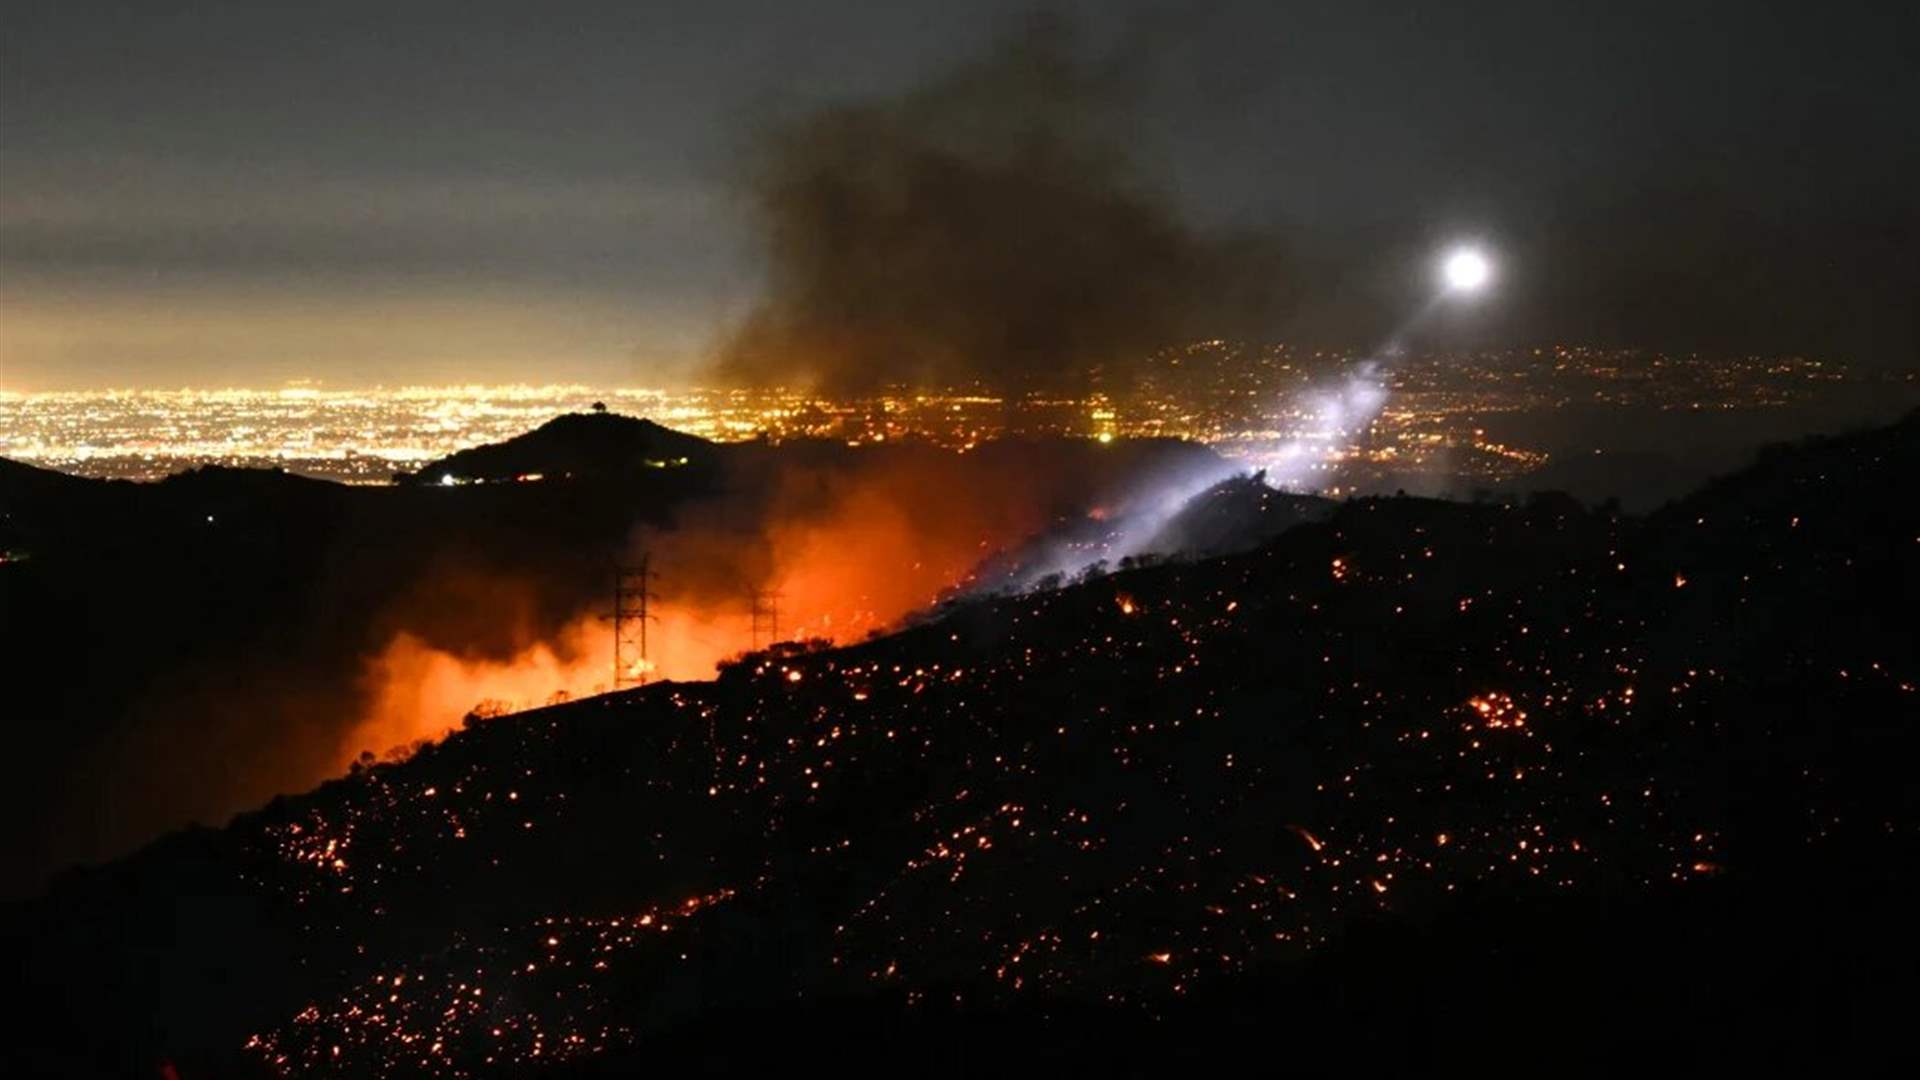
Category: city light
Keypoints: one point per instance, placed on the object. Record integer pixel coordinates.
(1303, 414)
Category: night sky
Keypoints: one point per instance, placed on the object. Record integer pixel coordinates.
(245, 193)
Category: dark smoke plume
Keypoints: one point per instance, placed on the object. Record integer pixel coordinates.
(991, 226)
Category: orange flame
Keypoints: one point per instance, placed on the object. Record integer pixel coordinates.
(879, 547)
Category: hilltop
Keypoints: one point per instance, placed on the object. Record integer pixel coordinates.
(1418, 782)
(599, 444)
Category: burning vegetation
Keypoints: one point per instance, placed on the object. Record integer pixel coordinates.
(826, 543)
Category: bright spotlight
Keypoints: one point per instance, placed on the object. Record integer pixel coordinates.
(1467, 270)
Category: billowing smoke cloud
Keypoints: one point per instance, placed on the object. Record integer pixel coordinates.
(991, 226)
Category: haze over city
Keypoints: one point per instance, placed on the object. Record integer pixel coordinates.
(235, 195)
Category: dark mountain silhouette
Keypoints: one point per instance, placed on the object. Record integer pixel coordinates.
(17, 478)
(1423, 782)
(1237, 514)
(194, 645)
(598, 444)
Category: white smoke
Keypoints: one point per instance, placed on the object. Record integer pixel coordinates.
(1328, 424)
(1325, 425)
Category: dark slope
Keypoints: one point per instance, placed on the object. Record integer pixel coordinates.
(577, 444)
(176, 650)
(19, 480)
(1235, 515)
(21, 488)
(1521, 787)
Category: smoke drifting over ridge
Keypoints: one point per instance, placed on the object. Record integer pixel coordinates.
(992, 225)
(849, 541)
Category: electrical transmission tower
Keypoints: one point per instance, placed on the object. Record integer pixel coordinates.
(632, 590)
(766, 617)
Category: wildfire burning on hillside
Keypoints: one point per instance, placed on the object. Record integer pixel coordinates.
(848, 546)
(829, 592)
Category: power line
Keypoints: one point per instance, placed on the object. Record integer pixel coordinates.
(632, 591)
(765, 616)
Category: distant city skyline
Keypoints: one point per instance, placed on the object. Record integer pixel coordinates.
(1314, 421)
